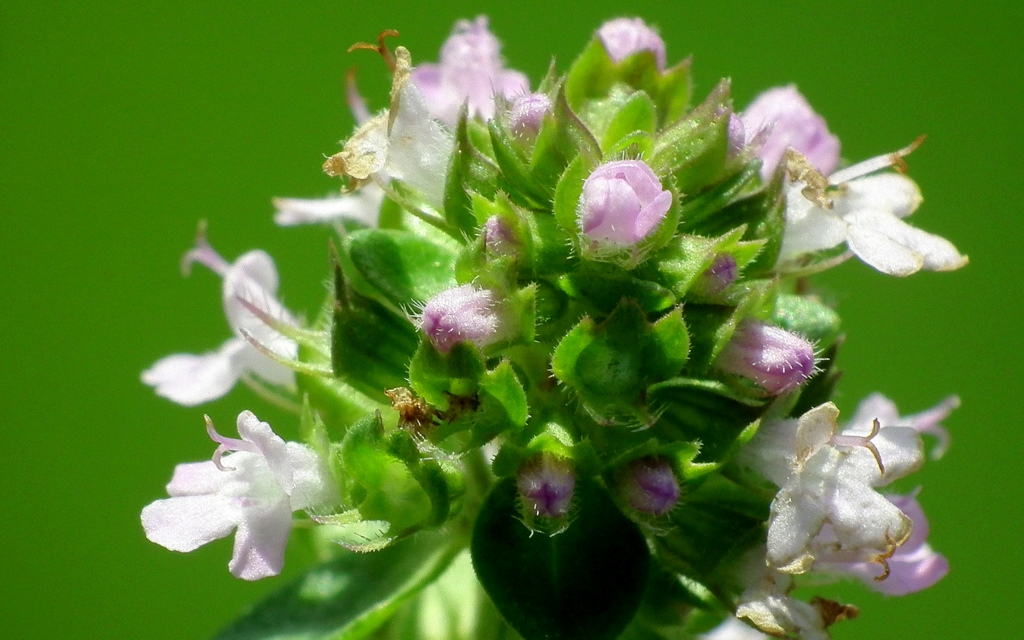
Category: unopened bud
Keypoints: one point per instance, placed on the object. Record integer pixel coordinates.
(649, 485)
(460, 314)
(546, 485)
(776, 359)
(718, 276)
(622, 37)
(527, 114)
(499, 239)
(622, 203)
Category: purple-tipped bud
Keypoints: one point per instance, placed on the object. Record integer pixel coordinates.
(649, 485)
(546, 485)
(622, 37)
(527, 114)
(777, 360)
(718, 276)
(499, 239)
(791, 122)
(737, 134)
(461, 314)
(622, 203)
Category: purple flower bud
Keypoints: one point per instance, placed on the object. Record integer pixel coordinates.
(546, 485)
(622, 37)
(527, 114)
(622, 203)
(718, 276)
(777, 360)
(649, 485)
(461, 314)
(470, 71)
(737, 134)
(790, 122)
(499, 239)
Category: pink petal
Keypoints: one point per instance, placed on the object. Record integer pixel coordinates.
(187, 523)
(191, 380)
(260, 541)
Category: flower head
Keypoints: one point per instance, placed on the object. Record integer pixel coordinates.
(829, 475)
(777, 360)
(622, 203)
(790, 121)
(864, 211)
(471, 72)
(527, 114)
(460, 314)
(250, 282)
(622, 37)
(254, 490)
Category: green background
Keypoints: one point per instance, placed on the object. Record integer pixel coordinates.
(123, 124)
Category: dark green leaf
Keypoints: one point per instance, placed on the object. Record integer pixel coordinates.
(583, 584)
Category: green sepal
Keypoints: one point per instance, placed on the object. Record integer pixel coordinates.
(713, 325)
(515, 178)
(469, 172)
(594, 73)
(397, 268)
(347, 598)
(551, 246)
(637, 114)
(705, 411)
(337, 402)
(584, 583)
(352, 532)
(604, 286)
(698, 211)
(764, 214)
(562, 137)
(370, 345)
(435, 376)
(804, 315)
(637, 145)
(568, 194)
(609, 365)
(384, 486)
(694, 149)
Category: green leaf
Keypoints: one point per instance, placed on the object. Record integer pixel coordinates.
(515, 178)
(434, 375)
(704, 411)
(694, 149)
(469, 172)
(399, 269)
(568, 193)
(712, 326)
(562, 137)
(583, 584)
(697, 209)
(816, 322)
(503, 387)
(637, 114)
(604, 286)
(347, 598)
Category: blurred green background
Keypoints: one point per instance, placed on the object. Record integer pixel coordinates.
(122, 124)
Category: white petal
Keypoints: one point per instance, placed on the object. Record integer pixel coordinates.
(732, 629)
(812, 229)
(797, 515)
(862, 518)
(887, 192)
(187, 523)
(260, 541)
(936, 254)
(362, 206)
(271, 447)
(814, 429)
(252, 360)
(882, 252)
(420, 147)
(901, 450)
(196, 479)
(312, 485)
(252, 279)
(191, 380)
(875, 406)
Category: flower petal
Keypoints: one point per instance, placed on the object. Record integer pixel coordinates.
(187, 523)
(261, 540)
(191, 380)
(889, 192)
(196, 479)
(362, 206)
(881, 251)
(934, 253)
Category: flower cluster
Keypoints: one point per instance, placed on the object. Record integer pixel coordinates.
(570, 331)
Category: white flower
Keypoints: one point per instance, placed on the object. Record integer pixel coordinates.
(828, 477)
(732, 629)
(767, 605)
(190, 379)
(361, 205)
(255, 490)
(404, 142)
(864, 211)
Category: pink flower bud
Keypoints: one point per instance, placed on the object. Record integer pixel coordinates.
(718, 276)
(777, 360)
(499, 239)
(546, 485)
(622, 37)
(649, 485)
(527, 115)
(461, 314)
(790, 122)
(622, 203)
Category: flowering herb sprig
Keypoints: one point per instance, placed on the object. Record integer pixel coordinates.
(571, 378)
